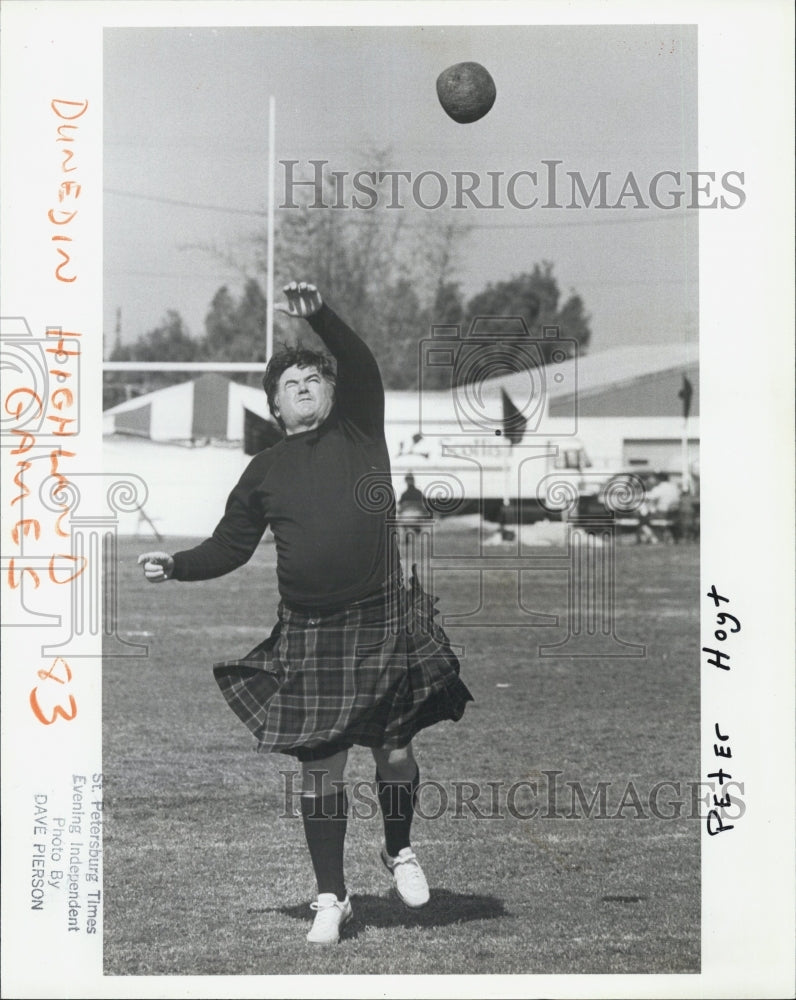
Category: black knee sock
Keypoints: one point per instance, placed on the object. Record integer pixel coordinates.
(325, 821)
(397, 802)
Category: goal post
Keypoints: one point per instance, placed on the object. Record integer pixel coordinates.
(269, 290)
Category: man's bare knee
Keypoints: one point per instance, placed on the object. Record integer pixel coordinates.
(395, 765)
(323, 777)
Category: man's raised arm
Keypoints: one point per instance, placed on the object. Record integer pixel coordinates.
(359, 391)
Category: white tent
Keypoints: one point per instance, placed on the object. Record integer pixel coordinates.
(613, 408)
(209, 407)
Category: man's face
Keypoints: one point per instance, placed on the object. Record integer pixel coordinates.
(303, 398)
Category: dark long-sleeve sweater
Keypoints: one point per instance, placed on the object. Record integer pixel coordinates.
(321, 491)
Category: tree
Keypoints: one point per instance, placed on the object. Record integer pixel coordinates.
(535, 297)
(220, 324)
(386, 272)
(169, 341)
(574, 322)
(252, 319)
(389, 273)
(401, 317)
(448, 307)
(235, 330)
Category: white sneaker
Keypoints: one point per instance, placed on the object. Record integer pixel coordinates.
(330, 918)
(410, 881)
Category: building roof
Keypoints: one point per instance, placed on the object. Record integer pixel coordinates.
(612, 367)
(171, 410)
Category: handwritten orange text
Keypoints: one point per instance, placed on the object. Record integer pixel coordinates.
(59, 673)
(68, 190)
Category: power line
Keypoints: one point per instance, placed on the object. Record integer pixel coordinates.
(179, 276)
(466, 226)
(193, 276)
(185, 204)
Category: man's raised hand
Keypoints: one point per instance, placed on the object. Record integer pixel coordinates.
(158, 566)
(301, 299)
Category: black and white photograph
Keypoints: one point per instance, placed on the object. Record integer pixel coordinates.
(398, 426)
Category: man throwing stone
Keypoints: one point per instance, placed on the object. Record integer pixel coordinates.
(355, 657)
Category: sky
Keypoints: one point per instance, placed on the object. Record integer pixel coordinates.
(186, 157)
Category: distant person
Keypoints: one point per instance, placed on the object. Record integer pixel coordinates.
(507, 521)
(645, 534)
(355, 657)
(664, 496)
(687, 521)
(688, 510)
(412, 503)
(664, 500)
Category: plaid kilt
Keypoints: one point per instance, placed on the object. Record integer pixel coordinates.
(373, 674)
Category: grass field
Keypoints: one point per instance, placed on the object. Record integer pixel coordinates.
(206, 874)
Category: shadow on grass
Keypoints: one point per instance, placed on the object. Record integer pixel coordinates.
(443, 908)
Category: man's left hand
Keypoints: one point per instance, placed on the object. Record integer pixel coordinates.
(302, 299)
